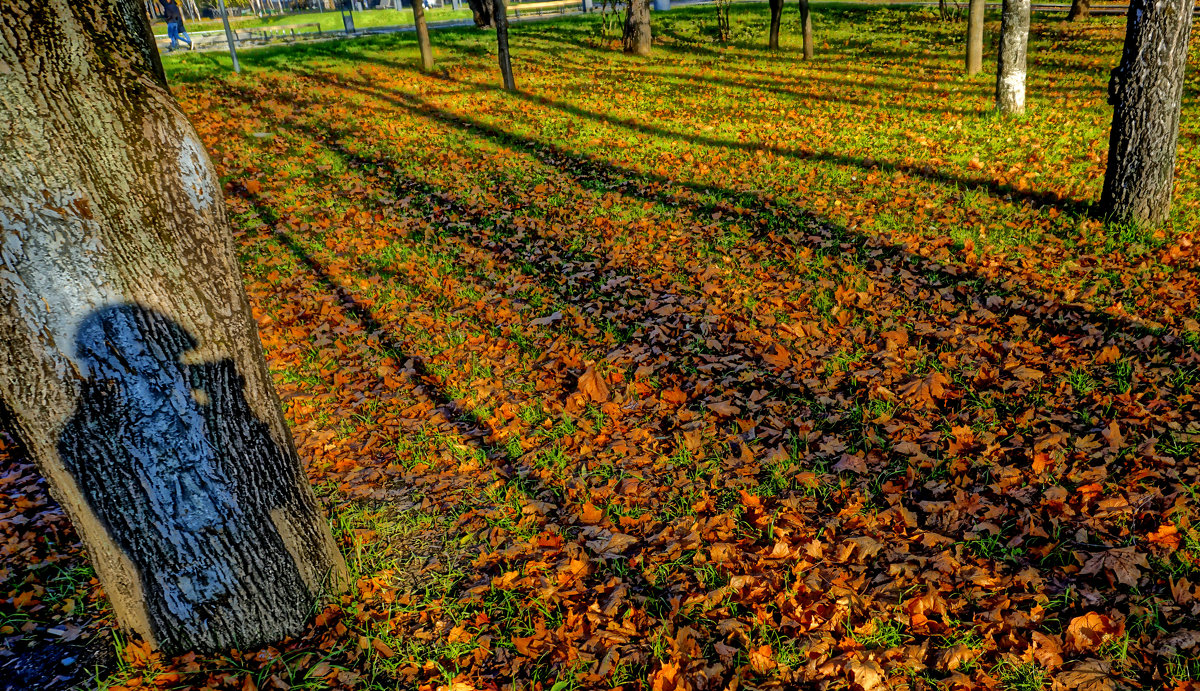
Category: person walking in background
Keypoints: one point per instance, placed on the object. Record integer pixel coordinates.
(175, 30)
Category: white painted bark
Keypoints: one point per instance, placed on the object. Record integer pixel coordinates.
(130, 364)
(1011, 60)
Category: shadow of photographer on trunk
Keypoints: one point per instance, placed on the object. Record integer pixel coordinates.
(172, 459)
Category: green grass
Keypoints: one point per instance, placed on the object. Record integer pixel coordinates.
(329, 21)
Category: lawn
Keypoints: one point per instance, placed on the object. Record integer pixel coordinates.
(716, 368)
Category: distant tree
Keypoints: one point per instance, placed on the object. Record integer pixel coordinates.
(724, 28)
(1010, 63)
(1146, 92)
(1080, 9)
(776, 20)
(975, 12)
(610, 18)
(130, 363)
(482, 12)
(418, 9)
(807, 29)
(637, 38)
(500, 12)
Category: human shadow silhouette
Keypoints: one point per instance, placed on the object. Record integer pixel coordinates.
(173, 461)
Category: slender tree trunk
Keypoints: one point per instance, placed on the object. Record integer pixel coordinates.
(1146, 92)
(500, 12)
(776, 19)
(130, 360)
(975, 36)
(1010, 63)
(418, 8)
(637, 37)
(1080, 9)
(807, 29)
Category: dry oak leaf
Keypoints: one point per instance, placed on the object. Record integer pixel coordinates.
(1123, 562)
(1089, 631)
(866, 674)
(592, 385)
(1089, 675)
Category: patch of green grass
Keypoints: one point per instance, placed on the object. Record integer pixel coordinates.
(1027, 676)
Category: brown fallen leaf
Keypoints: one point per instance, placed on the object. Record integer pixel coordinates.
(1089, 675)
(723, 408)
(590, 514)
(1089, 631)
(761, 659)
(1123, 562)
(592, 385)
(866, 674)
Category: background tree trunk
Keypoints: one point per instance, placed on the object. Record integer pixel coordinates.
(637, 38)
(1010, 63)
(500, 12)
(776, 18)
(1080, 9)
(418, 8)
(975, 36)
(481, 11)
(1146, 92)
(807, 29)
(130, 361)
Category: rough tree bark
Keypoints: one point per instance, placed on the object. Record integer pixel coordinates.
(481, 12)
(1080, 9)
(418, 8)
(637, 38)
(1010, 63)
(776, 19)
(130, 362)
(1146, 92)
(975, 36)
(807, 29)
(500, 12)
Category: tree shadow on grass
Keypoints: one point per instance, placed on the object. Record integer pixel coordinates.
(1057, 318)
(927, 172)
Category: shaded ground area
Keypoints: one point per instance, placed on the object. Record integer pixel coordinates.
(719, 368)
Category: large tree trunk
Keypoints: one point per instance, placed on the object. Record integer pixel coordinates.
(807, 29)
(1010, 65)
(482, 13)
(637, 37)
(1080, 9)
(975, 36)
(130, 361)
(776, 19)
(1146, 92)
(418, 8)
(501, 16)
